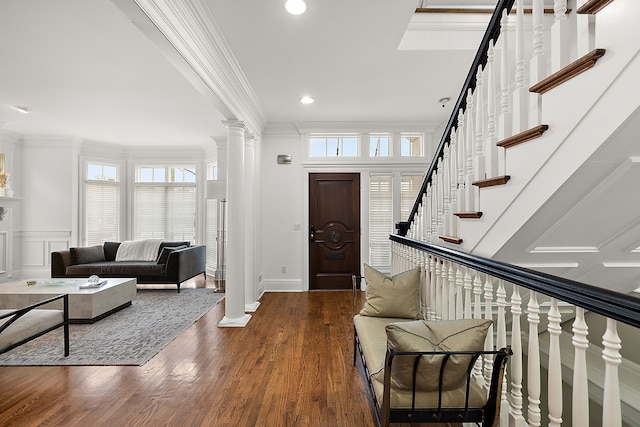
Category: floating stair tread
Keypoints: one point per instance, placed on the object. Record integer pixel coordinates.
(450, 239)
(468, 215)
(525, 136)
(592, 7)
(567, 73)
(491, 182)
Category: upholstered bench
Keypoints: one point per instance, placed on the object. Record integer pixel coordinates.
(421, 371)
(24, 324)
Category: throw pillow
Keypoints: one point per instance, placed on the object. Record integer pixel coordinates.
(396, 296)
(86, 255)
(445, 335)
(164, 254)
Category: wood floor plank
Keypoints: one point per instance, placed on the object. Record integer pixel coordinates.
(292, 365)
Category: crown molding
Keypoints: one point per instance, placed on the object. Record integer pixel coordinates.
(189, 29)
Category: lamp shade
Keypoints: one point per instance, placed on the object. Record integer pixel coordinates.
(216, 189)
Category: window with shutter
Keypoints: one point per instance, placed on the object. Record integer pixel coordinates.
(165, 203)
(102, 204)
(380, 221)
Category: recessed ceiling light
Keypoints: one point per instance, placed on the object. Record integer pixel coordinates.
(295, 7)
(20, 108)
(307, 100)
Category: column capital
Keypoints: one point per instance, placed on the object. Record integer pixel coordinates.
(250, 138)
(235, 125)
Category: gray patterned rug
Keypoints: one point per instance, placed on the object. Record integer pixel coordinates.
(131, 336)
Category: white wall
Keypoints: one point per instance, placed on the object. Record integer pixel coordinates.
(281, 231)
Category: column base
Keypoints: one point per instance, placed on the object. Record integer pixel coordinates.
(251, 308)
(234, 323)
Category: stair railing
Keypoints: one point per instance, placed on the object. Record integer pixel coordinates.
(457, 285)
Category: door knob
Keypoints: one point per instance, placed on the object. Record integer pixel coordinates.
(312, 233)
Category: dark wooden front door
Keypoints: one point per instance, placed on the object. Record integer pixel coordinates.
(334, 229)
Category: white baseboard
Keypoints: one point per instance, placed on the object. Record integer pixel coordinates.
(283, 285)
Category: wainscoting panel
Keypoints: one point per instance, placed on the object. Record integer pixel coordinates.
(36, 251)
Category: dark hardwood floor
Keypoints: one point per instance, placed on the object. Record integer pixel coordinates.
(290, 366)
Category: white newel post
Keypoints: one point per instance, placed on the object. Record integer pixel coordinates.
(235, 315)
(251, 281)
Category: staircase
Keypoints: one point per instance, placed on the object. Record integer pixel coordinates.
(538, 167)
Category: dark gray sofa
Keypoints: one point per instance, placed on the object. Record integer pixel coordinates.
(172, 266)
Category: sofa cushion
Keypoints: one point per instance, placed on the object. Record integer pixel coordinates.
(110, 250)
(396, 296)
(446, 335)
(87, 255)
(164, 253)
(172, 245)
(117, 269)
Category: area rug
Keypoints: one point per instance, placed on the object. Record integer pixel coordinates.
(131, 336)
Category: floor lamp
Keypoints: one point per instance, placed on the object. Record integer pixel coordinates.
(217, 189)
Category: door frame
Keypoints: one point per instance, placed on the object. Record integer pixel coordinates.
(364, 219)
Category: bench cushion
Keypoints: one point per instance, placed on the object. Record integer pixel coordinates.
(32, 323)
(396, 296)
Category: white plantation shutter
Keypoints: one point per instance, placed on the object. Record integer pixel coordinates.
(212, 234)
(409, 187)
(165, 211)
(102, 212)
(380, 221)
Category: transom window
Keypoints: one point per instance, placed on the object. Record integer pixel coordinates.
(411, 145)
(334, 145)
(379, 145)
(166, 174)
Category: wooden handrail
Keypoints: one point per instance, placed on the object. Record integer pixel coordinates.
(614, 305)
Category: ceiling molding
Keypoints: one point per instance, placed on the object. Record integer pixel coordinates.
(564, 249)
(191, 29)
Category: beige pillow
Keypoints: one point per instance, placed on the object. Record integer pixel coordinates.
(396, 296)
(446, 335)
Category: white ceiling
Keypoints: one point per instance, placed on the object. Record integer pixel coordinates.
(85, 70)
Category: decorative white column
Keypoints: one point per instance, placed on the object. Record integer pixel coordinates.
(235, 315)
(251, 282)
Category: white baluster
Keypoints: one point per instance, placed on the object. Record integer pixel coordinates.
(554, 394)
(453, 181)
(611, 413)
(427, 218)
(491, 149)
(501, 342)
(459, 293)
(479, 160)
(488, 314)
(560, 42)
(468, 287)
(504, 120)
(477, 314)
(438, 289)
(468, 169)
(444, 279)
(434, 285)
(462, 159)
(585, 24)
(446, 191)
(538, 65)
(521, 91)
(434, 206)
(580, 401)
(427, 287)
(533, 363)
(516, 358)
(452, 290)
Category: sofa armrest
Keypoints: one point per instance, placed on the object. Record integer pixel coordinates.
(60, 260)
(183, 264)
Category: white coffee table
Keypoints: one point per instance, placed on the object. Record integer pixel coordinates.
(85, 305)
